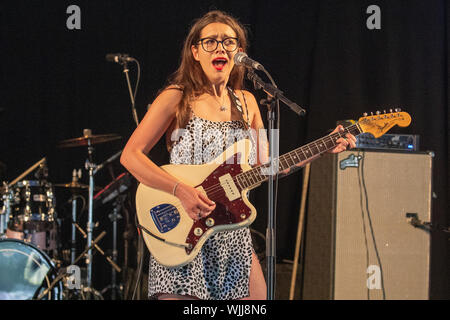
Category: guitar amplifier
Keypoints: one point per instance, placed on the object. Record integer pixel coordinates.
(403, 142)
(366, 234)
(406, 142)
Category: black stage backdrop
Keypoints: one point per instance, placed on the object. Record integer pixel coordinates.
(56, 82)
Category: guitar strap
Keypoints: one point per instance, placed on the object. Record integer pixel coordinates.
(238, 105)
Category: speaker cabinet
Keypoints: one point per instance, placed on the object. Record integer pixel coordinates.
(366, 233)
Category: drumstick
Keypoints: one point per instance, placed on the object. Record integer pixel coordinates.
(34, 166)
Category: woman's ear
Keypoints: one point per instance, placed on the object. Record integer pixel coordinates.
(194, 50)
(241, 50)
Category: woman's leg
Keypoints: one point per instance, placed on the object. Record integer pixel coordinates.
(257, 283)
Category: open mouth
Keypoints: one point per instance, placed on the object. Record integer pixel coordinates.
(219, 63)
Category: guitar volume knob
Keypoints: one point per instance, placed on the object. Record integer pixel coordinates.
(210, 222)
(198, 232)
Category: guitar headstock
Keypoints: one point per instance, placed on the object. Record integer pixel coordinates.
(380, 123)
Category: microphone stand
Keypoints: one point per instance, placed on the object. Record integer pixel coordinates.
(124, 64)
(274, 96)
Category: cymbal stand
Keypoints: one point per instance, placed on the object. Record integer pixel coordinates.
(75, 175)
(90, 166)
(114, 217)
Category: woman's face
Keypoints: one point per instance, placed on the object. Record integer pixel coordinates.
(216, 63)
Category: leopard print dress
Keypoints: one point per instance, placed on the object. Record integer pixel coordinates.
(221, 270)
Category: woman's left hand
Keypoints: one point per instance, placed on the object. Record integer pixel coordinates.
(348, 142)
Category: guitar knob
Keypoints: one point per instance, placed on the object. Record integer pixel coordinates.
(365, 114)
(198, 232)
(390, 110)
(210, 222)
(378, 112)
(384, 111)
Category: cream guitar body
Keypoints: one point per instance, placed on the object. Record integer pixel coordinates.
(170, 232)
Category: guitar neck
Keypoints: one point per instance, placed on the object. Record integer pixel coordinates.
(255, 176)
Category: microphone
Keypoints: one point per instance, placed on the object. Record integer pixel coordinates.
(242, 59)
(118, 57)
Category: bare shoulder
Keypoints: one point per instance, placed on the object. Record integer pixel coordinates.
(253, 109)
(169, 97)
(249, 98)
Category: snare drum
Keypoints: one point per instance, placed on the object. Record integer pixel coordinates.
(25, 272)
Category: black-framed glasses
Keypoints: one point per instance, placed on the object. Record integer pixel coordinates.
(210, 44)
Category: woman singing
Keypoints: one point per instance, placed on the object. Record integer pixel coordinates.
(205, 97)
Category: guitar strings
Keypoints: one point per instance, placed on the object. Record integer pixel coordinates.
(216, 190)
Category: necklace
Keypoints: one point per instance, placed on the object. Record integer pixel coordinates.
(222, 105)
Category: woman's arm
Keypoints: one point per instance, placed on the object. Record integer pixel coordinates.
(134, 156)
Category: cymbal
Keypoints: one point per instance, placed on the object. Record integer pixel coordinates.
(84, 141)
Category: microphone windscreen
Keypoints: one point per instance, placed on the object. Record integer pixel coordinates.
(238, 58)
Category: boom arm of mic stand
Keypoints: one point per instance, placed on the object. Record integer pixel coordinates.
(133, 108)
(107, 161)
(274, 92)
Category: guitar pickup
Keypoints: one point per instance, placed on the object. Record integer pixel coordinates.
(230, 188)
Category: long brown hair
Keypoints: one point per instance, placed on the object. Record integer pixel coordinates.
(190, 76)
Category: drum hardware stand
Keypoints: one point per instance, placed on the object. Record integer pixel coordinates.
(5, 211)
(63, 271)
(114, 217)
(75, 176)
(108, 258)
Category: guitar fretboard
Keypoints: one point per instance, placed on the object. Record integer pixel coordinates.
(255, 176)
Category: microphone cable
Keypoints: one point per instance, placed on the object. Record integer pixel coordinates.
(141, 258)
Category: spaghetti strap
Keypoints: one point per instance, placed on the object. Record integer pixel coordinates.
(174, 87)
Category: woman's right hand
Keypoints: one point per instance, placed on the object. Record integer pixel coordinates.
(196, 203)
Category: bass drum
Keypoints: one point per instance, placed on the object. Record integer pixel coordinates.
(25, 272)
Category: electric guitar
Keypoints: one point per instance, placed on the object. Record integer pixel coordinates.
(174, 239)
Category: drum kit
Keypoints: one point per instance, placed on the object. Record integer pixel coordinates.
(33, 264)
